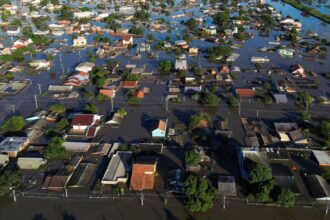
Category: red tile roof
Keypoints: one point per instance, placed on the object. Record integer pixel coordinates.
(126, 37)
(83, 119)
(129, 84)
(108, 92)
(245, 92)
(91, 132)
(139, 94)
(143, 176)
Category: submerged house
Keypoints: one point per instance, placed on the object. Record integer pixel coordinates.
(143, 173)
(158, 128)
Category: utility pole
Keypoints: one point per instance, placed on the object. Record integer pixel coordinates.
(111, 104)
(224, 202)
(36, 101)
(14, 195)
(239, 106)
(13, 108)
(39, 87)
(142, 198)
(327, 209)
(166, 100)
(66, 193)
(257, 113)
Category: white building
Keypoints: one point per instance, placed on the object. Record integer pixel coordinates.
(80, 41)
(181, 65)
(85, 67)
(83, 14)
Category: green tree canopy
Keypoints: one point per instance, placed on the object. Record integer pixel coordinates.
(209, 99)
(200, 194)
(13, 124)
(165, 66)
(286, 198)
(192, 157)
(259, 173)
(58, 108)
(55, 149)
(91, 108)
(7, 180)
(196, 119)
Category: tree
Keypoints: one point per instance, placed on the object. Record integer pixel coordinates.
(222, 19)
(61, 125)
(8, 179)
(210, 99)
(17, 22)
(91, 108)
(197, 119)
(286, 198)
(136, 31)
(219, 51)
(27, 31)
(66, 13)
(55, 149)
(101, 98)
(15, 124)
(233, 102)
(259, 173)
(200, 194)
(58, 108)
(263, 190)
(325, 129)
(165, 66)
(192, 23)
(5, 15)
(192, 157)
(122, 112)
(40, 40)
(305, 99)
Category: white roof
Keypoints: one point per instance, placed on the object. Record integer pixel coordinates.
(322, 157)
(85, 67)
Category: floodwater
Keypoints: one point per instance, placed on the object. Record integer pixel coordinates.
(40, 209)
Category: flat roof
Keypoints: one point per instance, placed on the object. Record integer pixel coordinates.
(11, 144)
(227, 186)
(322, 157)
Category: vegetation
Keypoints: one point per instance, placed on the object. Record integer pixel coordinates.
(91, 108)
(14, 124)
(66, 13)
(209, 99)
(55, 149)
(58, 108)
(165, 66)
(286, 198)
(325, 132)
(196, 119)
(200, 193)
(122, 112)
(61, 125)
(136, 31)
(233, 102)
(8, 179)
(219, 52)
(222, 19)
(258, 172)
(309, 10)
(102, 98)
(142, 15)
(192, 157)
(305, 99)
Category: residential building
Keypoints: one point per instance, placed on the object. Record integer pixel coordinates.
(143, 173)
(181, 65)
(158, 128)
(77, 79)
(85, 67)
(118, 168)
(127, 39)
(14, 30)
(80, 41)
(13, 145)
(82, 122)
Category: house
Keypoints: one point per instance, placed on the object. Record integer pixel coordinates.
(246, 93)
(56, 183)
(158, 128)
(321, 157)
(111, 93)
(318, 187)
(85, 67)
(127, 39)
(4, 159)
(30, 163)
(14, 30)
(118, 168)
(82, 122)
(143, 47)
(222, 128)
(210, 30)
(80, 41)
(181, 65)
(139, 94)
(181, 43)
(40, 64)
(285, 52)
(23, 42)
(193, 51)
(115, 120)
(143, 173)
(83, 14)
(280, 98)
(224, 70)
(129, 84)
(297, 71)
(76, 146)
(78, 79)
(11, 146)
(82, 175)
(233, 57)
(9, 7)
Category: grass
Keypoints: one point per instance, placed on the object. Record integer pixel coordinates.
(309, 10)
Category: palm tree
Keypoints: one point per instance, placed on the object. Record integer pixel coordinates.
(305, 99)
(58, 108)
